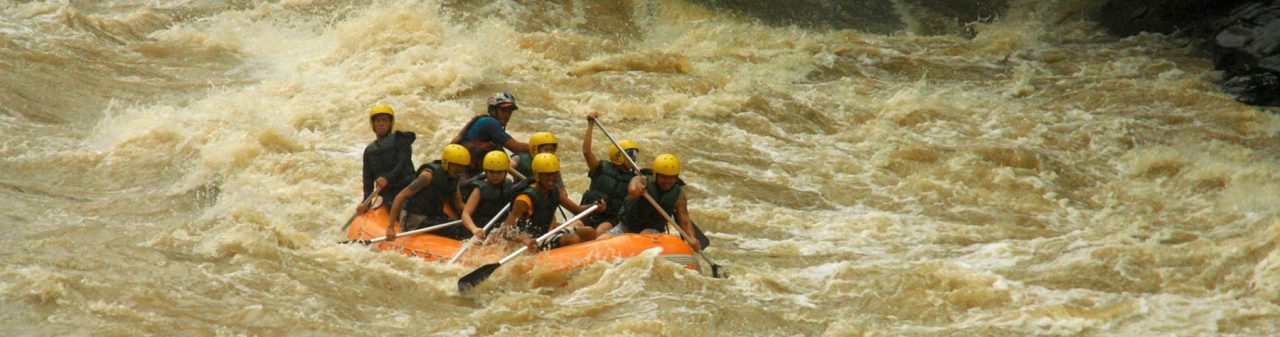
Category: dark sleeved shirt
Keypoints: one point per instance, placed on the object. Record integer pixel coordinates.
(389, 157)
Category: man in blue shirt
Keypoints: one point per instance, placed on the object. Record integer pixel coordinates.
(488, 132)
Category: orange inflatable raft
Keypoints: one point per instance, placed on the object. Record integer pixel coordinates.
(434, 248)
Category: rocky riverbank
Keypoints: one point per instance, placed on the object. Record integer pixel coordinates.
(1243, 37)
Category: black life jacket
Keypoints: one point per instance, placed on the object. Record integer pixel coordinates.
(431, 199)
(381, 159)
(524, 164)
(609, 183)
(492, 198)
(544, 211)
(640, 215)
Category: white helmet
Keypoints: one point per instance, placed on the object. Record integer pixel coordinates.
(502, 100)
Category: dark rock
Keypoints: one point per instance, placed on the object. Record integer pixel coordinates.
(1243, 37)
(925, 17)
(1246, 47)
(1258, 88)
(1234, 37)
(1130, 17)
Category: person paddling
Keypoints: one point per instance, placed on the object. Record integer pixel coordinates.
(533, 211)
(488, 132)
(609, 178)
(664, 186)
(387, 161)
(432, 198)
(488, 196)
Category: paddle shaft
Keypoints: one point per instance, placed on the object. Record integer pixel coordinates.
(470, 280)
(714, 267)
(516, 174)
(419, 230)
(376, 189)
(485, 230)
(504, 210)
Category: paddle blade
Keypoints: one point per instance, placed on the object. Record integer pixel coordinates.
(702, 237)
(475, 277)
(717, 272)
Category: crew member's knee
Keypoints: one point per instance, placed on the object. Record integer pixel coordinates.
(569, 239)
(586, 233)
(604, 227)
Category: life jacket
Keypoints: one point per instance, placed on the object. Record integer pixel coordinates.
(641, 215)
(381, 159)
(544, 210)
(477, 147)
(431, 200)
(524, 164)
(608, 183)
(492, 198)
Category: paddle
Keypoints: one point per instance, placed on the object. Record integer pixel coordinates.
(485, 230)
(715, 268)
(480, 274)
(372, 196)
(516, 174)
(698, 234)
(412, 232)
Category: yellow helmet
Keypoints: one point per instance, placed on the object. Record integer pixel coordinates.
(542, 138)
(666, 164)
(455, 154)
(545, 163)
(382, 109)
(616, 157)
(497, 160)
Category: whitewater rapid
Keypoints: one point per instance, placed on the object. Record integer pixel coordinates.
(179, 168)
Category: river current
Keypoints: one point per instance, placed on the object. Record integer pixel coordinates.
(184, 168)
